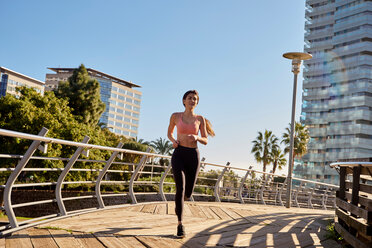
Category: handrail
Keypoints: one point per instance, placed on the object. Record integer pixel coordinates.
(134, 178)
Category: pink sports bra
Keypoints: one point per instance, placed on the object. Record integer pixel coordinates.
(184, 128)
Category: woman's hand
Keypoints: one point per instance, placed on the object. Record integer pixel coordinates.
(175, 143)
(193, 137)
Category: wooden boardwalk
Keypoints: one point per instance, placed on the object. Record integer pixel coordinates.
(208, 224)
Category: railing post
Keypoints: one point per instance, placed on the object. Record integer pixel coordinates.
(217, 186)
(297, 192)
(281, 191)
(242, 185)
(134, 176)
(101, 204)
(61, 177)
(309, 203)
(263, 188)
(325, 198)
(14, 175)
(161, 183)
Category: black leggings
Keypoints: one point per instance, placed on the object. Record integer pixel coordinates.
(185, 167)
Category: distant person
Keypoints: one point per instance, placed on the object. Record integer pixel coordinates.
(185, 158)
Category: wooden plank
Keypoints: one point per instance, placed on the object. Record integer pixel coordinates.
(135, 208)
(161, 209)
(220, 213)
(64, 239)
(130, 242)
(365, 201)
(363, 187)
(349, 238)
(149, 208)
(41, 238)
(232, 214)
(354, 209)
(196, 212)
(186, 210)
(87, 240)
(159, 242)
(207, 213)
(19, 239)
(356, 181)
(109, 240)
(171, 208)
(353, 222)
(342, 183)
(2, 242)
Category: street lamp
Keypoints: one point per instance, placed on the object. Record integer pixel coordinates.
(296, 64)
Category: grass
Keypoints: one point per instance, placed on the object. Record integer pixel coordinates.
(331, 231)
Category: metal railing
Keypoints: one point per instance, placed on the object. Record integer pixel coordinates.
(227, 186)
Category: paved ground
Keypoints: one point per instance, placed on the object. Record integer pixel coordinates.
(208, 224)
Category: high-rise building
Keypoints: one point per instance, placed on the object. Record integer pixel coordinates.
(122, 100)
(337, 86)
(11, 79)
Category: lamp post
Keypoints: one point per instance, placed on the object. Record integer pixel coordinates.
(296, 58)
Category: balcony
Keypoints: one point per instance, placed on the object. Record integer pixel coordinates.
(314, 83)
(349, 129)
(358, 34)
(352, 23)
(350, 115)
(318, 132)
(355, 48)
(352, 10)
(319, 145)
(315, 157)
(316, 94)
(315, 107)
(318, 34)
(312, 2)
(309, 121)
(349, 143)
(350, 102)
(320, 21)
(321, 10)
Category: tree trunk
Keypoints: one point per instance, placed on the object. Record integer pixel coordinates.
(274, 167)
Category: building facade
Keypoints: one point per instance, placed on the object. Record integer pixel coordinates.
(122, 100)
(10, 80)
(337, 86)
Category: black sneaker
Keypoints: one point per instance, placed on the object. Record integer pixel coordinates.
(181, 231)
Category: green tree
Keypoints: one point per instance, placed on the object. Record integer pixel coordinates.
(277, 158)
(164, 147)
(83, 94)
(263, 146)
(301, 139)
(32, 111)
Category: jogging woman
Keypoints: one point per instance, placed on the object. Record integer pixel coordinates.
(191, 129)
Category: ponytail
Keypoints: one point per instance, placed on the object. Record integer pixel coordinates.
(209, 128)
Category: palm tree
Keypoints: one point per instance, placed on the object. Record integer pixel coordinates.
(277, 158)
(301, 138)
(262, 147)
(164, 147)
(143, 142)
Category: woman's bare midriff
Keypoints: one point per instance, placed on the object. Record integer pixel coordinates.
(186, 141)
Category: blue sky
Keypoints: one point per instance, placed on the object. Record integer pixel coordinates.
(230, 51)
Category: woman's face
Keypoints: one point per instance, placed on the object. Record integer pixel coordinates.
(191, 100)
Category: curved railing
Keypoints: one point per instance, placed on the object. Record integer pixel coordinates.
(231, 184)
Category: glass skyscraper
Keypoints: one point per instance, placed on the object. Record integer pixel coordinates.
(337, 86)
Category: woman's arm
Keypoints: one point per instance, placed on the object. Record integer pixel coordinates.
(172, 124)
(203, 138)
